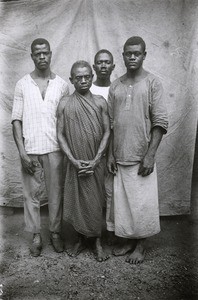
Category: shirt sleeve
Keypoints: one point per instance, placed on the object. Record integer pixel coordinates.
(65, 89)
(17, 110)
(159, 116)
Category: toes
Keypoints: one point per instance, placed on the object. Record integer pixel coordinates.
(99, 259)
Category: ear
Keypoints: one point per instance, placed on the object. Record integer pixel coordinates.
(31, 56)
(94, 67)
(145, 53)
(113, 67)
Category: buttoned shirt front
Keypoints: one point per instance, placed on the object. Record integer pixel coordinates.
(38, 115)
(134, 110)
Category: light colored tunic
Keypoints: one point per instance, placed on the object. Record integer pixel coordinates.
(134, 111)
(38, 115)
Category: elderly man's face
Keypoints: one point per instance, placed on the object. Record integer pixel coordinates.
(82, 79)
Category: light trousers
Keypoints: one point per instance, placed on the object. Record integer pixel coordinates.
(48, 169)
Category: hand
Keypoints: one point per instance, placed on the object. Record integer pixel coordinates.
(87, 168)
(28, 164)
(111, 165)
(146, 166)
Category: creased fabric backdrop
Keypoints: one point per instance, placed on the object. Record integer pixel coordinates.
(77, 29)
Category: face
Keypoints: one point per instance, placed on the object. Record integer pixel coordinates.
(41, 56)
(133, 56)
(103, 65)
(82, 79)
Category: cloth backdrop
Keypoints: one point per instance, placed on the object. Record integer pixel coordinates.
(77, 29)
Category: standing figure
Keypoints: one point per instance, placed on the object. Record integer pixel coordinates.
(83, 133)
(138, 121)
(103, 66)
(36, 99)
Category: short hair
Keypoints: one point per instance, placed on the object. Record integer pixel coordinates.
(81, 64)
(39, 41)
(103, 51)
(135, 40)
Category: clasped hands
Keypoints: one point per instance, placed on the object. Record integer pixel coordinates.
(85, 168)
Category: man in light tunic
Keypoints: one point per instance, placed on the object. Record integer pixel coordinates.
(138, 120)
(36, 99)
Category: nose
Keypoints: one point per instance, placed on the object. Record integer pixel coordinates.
(83, 79)
(132, 56)
(41, 55)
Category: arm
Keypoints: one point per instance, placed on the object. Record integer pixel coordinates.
(111, 163)
(147, 164)
(159, 121)
(27, 163)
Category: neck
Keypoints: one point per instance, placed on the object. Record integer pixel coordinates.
(102, 82)
(135, 73)
(86, 94)
(45, 74)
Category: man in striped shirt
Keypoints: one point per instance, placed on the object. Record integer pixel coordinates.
(36, 98)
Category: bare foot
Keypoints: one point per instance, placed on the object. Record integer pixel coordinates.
(123, 249)
(100, 254)
(75, 251)
(138, 255)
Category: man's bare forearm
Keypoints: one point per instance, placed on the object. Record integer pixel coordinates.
(18, 137)
(156, 137)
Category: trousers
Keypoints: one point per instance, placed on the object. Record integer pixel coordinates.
(48, 169)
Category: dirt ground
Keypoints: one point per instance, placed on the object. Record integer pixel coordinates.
(169, 272)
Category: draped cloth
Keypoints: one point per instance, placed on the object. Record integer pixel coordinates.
(83, 196)
(135, 204)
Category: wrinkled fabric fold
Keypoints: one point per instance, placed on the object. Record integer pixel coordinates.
(83, 196)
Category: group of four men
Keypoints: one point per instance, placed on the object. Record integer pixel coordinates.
(109, 134)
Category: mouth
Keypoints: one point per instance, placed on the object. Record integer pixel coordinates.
(42, 63)
(84, 86)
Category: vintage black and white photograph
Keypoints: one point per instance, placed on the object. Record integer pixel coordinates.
(98, 150)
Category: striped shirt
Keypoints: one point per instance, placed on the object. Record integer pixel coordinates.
(38, 116)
